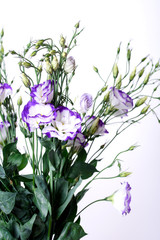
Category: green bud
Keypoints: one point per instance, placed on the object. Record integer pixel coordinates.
(62, 41)
(49, 69)
(106, 97)
(40, 68)
(115, 70)
(13, 52)
(64, 54)
(40, 42)
(95, 69)
(157, 65)
(33, 53)
(128, 54)
(143, 59)
(145, 109)
(26, 64)
(94, 126)
(133, 74)
(19, 101)
(119, 82)
(146, 79)
(124, 174)
(104, 88)
(77, 25)
(52, 52)
(141, 72)
(2, 49)
(2, 33)
(26, 81)
(140, 101)
(55, 63)
(131, 148)
(118, 49)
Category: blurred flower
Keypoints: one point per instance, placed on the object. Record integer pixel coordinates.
(120, 101)
(78, 141)
(65, 126)
(95, 127)
(3, 131)
(42, 93)
(69, 65)
(35, 114)
(122, 198)
(5, 91)
(85, 102)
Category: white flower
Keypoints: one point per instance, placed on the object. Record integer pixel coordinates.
(85, 102)
(3, 131)
(5, 91)
(69, 65)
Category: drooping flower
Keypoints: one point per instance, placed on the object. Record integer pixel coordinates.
(69, 65)
(120, 101)
(121, 199)
(85, 102)
(5, 91)
(95, 125)
(65, 126)
(35, 114)
(42, 93)
(3, 131)
(78, 141)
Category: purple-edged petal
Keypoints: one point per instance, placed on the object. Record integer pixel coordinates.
(3, 131)
(5, 91)
(101, 130)
(65, 126)
(85, 102)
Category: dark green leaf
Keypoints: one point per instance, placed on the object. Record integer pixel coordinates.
(54, 159)
(2, 173)
(7, 150)
(46, 142)
(18, 159)
(26, 229)
(7, 201)
(61, 191)
(82, 155)
(46, 163)
(81, 194)
(72, 231)
(42, 185)
(5, 234)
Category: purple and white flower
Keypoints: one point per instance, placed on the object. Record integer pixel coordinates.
(5, 91)
(42, 93)
(65, 126)
(3, 131)
(35, 114)
(78, 141)
(122, 198)
(69, 65)
(120, 101)
(100, 126)
(85, 102)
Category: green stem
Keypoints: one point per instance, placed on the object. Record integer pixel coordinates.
(33, 160)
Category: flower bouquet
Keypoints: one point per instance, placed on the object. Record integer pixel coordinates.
(41, 186)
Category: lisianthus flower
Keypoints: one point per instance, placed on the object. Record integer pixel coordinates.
(65, 126)
(5, 91)
(96, 124)
(42, 93)
(36, 114)
(78, 141)
(121, 199)
(69, 65)
(85, 102)
(3, 131)
(120, 101)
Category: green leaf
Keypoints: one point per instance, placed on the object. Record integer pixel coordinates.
(82, 155)
(42, 185)
(46, 163)
(2, 173)
(68, 199)
(7, 201)
(18, 159)
(61, 191)
(46, 142)
(26, 229)
(81, 194)
(72, 231)
(5, 234)
(54, 159)
(7, 150)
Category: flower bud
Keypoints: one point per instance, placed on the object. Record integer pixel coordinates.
(131, 148)
(141, 72)
(39, 43)
(128, 54)
(2, 33)
(140, 101)
(77, 25)
(13, 52)
(115, 70)
(40, 68)
(69, 65)
(52, 52)
(62, 41)
(124, 174)
(133, 74)
(95, 69)
(19, 101)
(106, 97)
(145, 109)
(146, 79)
(49, 69)
(55, 63)
(33, 53)
(64, 54)
(26, 64)
(26, 81)
(104, 89)
(157, 65)
(94, 126)
(119, 82)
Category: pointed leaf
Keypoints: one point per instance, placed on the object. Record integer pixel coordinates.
(26, 229)
(2, 173)
(7, 201)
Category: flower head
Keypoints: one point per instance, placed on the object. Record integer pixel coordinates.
(78, 141)
(85, 102)
(42, 93)
(122, 198)
(65, 126)
(97, 124)
(120, 101)
(3, 131)
(35, 114)
(69, 65)
(5, 91)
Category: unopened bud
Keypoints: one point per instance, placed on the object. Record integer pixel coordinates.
(128, 54)
(119, 82)
(133, 74)
(115, 70)
(26, 64)
(64, 54)
(40, 68)
(77, 25)
(26, 81)
(104, 88)
(140, 101)
(2, 33)
(62, 41)
(141, 72)
(19, 101)
(145, 109)
(95, 69)
(13, 52)
(52, 52)
(49, 69)
(124, 174)
(33, 53)
(94, 126)
(146, 79)
(157, 65)
(55, 63)
(131, 148)
(40, 42)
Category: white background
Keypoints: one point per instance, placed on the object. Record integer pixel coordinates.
(106, 23)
